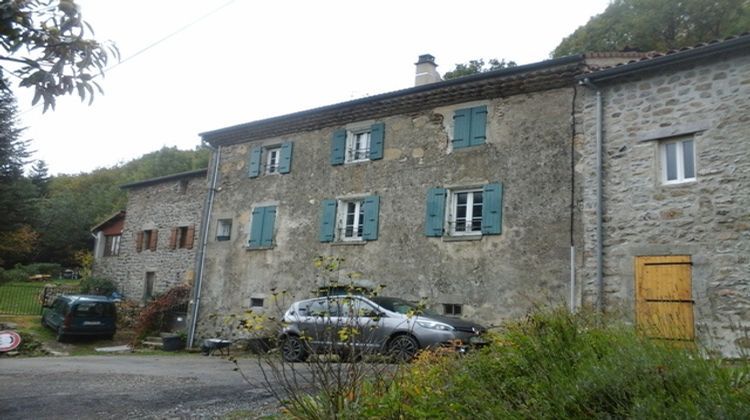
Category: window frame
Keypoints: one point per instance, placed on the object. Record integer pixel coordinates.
(452, 210)
(355, 154)
(452, 309)
(358, 222)
(270, 152)
(112, 245)
(219, 230)
(182, 236)
(679, 160)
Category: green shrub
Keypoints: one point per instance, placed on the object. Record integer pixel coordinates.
(557, 365)
(14, 275)
(97, 286)
(52, 269)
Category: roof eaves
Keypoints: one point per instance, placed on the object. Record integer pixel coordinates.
(189, 174)
(107, 220)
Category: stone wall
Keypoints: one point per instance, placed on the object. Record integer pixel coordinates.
(499, 276)
(160, 206)
(708, 219)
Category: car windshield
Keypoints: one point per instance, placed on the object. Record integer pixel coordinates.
(401, 306)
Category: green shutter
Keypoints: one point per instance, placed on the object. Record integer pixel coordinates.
(256, 228)
(254, 163)
(269, 221)
(327, 220)
(461, 128)
(371, 209)
(377, 134)
(478, 125)
(285, 162)
(338, 147)
(435, 213)
(492, 209)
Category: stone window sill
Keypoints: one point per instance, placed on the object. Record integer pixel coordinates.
(260, 248)
(349, 243)
(462, 238)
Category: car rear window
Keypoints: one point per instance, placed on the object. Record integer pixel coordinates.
(94, 309)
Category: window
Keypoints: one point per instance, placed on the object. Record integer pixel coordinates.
(146, 239)
(148, 287)
(182, 237)
(278, 160)
(353, 219)
(677, 160)
(262, 228)
(357, 144)
(464, 211)
(469, 127)
(224, 229)
(256, 302)
(111, 245)
(454, 309)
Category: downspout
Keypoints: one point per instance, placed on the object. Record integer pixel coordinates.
(206, 219)
(599, 152)
(572, 200)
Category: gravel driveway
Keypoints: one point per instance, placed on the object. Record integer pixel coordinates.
(130, 387)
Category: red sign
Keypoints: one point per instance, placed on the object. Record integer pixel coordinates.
(9, 340)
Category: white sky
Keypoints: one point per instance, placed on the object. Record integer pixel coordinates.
(256, 59)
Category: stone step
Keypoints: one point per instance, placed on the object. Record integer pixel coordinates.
(152, 344)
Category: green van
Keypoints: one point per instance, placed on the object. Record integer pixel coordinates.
(81, 315)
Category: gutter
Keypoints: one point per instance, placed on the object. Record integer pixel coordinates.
(599, 202)
(205, 222)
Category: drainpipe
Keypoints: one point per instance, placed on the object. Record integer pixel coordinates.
(599, 153)
(206, 219)
(573, 200)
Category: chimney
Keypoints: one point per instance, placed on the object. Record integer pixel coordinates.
(426, 70)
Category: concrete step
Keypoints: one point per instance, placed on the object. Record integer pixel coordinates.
(152, 344)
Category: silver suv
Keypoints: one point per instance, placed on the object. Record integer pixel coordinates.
(352, 326)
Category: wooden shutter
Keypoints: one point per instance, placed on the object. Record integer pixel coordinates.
(338, 147)
(664, 297)
(478, 130)
(435, 212)
(371, 210)
(377, 135)
(328, 220)
(173, 237)
(492, 209)
(154, 240)
(256, 228)
(139, 241)
(254, 162)
(190, 237)
(285, 162)
(461, 128)
(269, 220)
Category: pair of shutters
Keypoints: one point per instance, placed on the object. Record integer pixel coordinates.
(492, 210)
(338, 144)
(262, 227)
(175, 237)
(469, 127)
(153, 239)
(371, 208)
(256, 160)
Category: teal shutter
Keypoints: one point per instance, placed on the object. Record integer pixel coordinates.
(492, 209)
(285, 162)
(269, 221)
(435, 213)
(254, 163)
(478, 125)
(371, 209)
(327, 220)
(377, 134)
(256, 228)
(461, 128)
(338, 147)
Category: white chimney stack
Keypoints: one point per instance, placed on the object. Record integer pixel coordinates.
(426, 70)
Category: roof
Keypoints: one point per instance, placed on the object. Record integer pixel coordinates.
(108, 220)
(656, 60)
(182, 175)
(543, 75)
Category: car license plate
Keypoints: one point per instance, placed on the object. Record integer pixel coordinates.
(91, 323)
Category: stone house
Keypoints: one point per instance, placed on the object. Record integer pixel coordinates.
(667, 217)
(457, 192)
(152, 245)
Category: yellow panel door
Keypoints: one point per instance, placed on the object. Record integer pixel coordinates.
(664, 302)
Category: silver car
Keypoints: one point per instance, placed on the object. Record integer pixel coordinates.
(352, 326)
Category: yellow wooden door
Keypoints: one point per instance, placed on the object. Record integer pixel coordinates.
(664, 301)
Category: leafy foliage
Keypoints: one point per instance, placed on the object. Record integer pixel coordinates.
(154, 315)
(660, 25)
(46, 45)
(477, 66)
(97, 286)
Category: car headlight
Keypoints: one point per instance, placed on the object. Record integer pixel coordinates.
(432, 325)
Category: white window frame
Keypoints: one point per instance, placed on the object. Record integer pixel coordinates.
(452, 213)
(273, 160)
(358, 152)
(357, 225)
(224, 229)
(113, 250)
(679, 160)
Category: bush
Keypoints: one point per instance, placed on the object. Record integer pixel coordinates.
(153, 317)
(557, 365)
(22, 272)
(97, 286)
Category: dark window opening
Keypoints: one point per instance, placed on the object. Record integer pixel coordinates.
(454, 309)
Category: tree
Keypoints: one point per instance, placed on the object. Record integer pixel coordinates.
(477, 66)
(40, 177)
(657, 25)
(46, 46)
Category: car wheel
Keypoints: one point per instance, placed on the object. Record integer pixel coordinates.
(402, 348)
(60, 335)
(293, 349)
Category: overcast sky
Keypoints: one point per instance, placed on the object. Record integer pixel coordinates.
(247, 60)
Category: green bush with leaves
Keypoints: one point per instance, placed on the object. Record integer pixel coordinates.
(97, 286)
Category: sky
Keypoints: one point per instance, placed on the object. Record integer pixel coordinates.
(191, 66)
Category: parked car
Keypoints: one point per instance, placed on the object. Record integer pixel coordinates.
(352, 326)
(81, 315)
